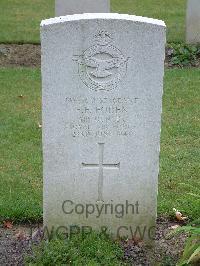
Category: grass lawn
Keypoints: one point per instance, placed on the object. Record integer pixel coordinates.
(179, 184)
(93, 249)
(21, 160)
(173, 12)
(20, 19)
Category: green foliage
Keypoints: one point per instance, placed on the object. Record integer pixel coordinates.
(184, 55)
(93, 249)
(191, 254)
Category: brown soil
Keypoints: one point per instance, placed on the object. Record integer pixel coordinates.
(17, 242)
(28, 55)
(25, 55)
(167, 249)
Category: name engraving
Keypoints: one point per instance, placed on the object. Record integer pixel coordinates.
(100, 116)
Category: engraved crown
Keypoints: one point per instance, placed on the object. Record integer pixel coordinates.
(103, 38)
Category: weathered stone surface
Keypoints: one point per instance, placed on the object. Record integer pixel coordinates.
(70, 7)
(193, 22)
(102, 79)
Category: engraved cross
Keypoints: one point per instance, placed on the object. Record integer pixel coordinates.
(101, 166)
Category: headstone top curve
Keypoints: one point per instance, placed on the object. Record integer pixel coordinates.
(112, 16)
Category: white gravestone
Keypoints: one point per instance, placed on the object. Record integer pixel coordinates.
(193, 22)
(70, 7)
(102, 80)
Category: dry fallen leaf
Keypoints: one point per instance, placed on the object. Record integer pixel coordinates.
(7, 224)
(179, 215)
